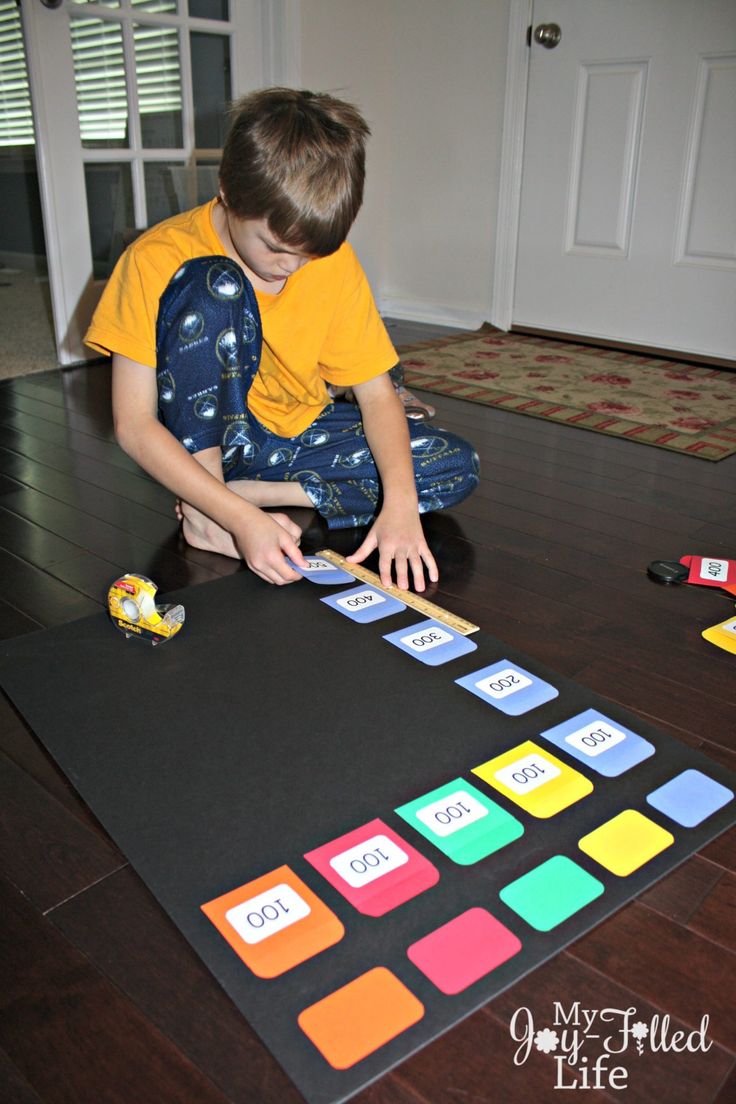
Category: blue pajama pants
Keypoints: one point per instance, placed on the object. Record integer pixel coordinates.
(208, 344)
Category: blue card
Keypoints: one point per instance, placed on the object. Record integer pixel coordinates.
(602, 744)
(431, 642)
(364, 603)
(690, 798)
(322, 571)
(508, 687)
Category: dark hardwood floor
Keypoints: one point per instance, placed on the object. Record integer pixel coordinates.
(103, 1002)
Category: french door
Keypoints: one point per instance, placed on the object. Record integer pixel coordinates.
(129, 102)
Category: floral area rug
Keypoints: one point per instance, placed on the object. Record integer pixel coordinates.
(684, 407)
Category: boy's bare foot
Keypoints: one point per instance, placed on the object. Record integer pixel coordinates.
(201, 532)
(414, 408)
(259, 492)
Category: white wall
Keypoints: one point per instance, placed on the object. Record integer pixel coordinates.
(429, 76)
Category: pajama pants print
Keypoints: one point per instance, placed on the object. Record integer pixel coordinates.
(208, 344)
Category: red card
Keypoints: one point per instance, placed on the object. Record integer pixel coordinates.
(710, 571)
(374, 868)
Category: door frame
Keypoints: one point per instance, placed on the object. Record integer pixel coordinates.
(512, 162)
(281, 42)
(67, 238)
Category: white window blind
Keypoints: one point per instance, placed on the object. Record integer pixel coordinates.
(16, 119)
(99, 71)
(99, 76)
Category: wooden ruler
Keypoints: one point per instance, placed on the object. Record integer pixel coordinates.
(416, 601)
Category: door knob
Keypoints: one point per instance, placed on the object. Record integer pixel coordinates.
(547, 35)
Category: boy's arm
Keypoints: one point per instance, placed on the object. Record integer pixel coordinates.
(397, 531)
(262, 542)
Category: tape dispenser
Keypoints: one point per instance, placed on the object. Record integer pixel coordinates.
(131, 601)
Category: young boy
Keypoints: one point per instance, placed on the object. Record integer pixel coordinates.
(227, 323)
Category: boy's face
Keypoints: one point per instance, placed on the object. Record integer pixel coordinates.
(262, 252)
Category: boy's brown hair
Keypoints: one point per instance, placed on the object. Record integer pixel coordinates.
(297, 159)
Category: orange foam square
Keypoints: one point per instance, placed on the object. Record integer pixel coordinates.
(274, 922)
(349, 1024)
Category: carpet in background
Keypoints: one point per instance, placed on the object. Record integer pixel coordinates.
(684, 407)
(26, 329)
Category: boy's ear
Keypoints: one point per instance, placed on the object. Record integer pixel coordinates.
(222, 197)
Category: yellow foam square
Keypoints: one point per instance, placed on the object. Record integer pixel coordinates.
(625, 843)
(534, 779)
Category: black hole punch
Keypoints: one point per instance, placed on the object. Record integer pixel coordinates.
(667, 571)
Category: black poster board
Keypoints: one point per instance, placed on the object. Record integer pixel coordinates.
(272, 725)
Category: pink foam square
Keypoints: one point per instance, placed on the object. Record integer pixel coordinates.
(463, 950)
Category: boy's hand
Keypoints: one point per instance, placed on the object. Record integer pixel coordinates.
(399, 538)
(397, 531)
(265, 542)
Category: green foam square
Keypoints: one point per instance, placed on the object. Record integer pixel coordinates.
(461, 821)
(551, 892)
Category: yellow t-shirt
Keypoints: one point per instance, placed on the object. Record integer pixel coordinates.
(322, 327)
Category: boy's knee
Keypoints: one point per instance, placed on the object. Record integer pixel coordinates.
(208, 317)
(208, 347)
(447, 469)
(436, 451)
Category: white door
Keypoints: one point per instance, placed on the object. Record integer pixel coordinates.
(628, 203)
(128, 100)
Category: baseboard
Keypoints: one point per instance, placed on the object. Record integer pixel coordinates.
(424, 310)
(688, 357)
